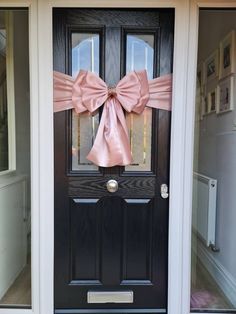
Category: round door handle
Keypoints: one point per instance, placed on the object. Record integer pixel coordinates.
(112, 186)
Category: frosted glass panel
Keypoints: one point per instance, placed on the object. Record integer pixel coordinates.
(139, 56)
(139, 53)
(85, 56)
(84, 129)
(140, 128)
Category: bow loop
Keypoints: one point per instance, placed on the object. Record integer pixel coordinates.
(93, 90)
(132, 91)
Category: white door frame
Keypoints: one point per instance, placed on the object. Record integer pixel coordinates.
(41, 96)
(34, 143)
(195, 5)
(177, 140)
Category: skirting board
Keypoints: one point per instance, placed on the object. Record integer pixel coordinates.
(223, 278)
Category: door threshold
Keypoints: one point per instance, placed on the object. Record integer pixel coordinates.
(86, 311)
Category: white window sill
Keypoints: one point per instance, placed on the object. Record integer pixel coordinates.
(10, 177)
(6, 173)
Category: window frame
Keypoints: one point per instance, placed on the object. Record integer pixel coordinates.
(41, 93)
(176, 293)
(32, 6)
(195, 6)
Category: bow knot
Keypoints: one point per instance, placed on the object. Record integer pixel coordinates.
(111, 91)
(88, 92)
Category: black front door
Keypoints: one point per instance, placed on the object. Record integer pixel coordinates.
(111, 248)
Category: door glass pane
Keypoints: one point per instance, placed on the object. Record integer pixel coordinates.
(139, 56)
(15, 198)
(213, 284)
(85, 56)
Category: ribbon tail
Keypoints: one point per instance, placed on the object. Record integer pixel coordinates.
(160, 93)
(111, 146)
(62, 94)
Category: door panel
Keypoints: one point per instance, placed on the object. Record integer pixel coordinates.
(137, 242)
(111, 241)
(85, 229)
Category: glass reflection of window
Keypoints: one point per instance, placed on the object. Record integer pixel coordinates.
(4, 153)
(139, 53)
(85, 53)
(85, 56)
(139, 56)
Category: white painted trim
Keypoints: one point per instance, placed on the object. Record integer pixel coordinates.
(189, 136)
(35, 204)
(188, 156)
(176, 293)
(35, 167)
(176, 270)
(46, 164)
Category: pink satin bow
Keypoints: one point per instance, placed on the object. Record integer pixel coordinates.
(87, 92)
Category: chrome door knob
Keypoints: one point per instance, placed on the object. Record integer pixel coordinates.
(112, 186)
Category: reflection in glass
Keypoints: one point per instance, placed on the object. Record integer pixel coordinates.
(85, 56)
(139, 56)
(139, 53)
(213, 276)
(3, 101)
(140, 128)
(15, 204)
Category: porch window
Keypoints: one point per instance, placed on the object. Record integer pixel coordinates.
(213, 286)
(15, 198)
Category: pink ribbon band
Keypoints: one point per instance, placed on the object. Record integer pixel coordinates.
(88, 92)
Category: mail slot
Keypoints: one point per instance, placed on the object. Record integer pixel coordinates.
(110, 297)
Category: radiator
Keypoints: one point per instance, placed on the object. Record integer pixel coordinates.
(204, 208)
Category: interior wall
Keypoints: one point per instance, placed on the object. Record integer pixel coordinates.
(215, 149)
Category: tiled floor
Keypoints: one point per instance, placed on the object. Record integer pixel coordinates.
(20, 292)
(205, 292)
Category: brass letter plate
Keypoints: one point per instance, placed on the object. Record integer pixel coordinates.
(110, 297)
